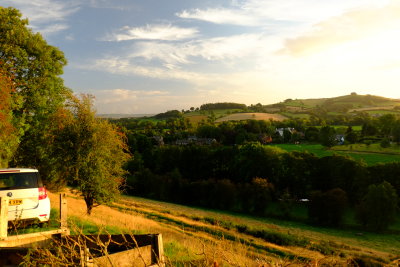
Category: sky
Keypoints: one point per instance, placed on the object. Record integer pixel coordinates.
(150, 56)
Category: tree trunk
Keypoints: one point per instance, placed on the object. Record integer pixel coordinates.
(89, 204)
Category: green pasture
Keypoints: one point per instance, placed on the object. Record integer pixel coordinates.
(382, 112)
(341, 127)
(371, 155)
(146, 119)
(294, 115)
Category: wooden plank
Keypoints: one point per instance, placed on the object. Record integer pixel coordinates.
(33, 240)
(3, 217)
(137, 257)
(63, 211)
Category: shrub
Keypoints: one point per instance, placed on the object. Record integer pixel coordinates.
(385, 143)
(327, 208)
(378, 207)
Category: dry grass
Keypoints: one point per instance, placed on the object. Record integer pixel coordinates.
(345, 238)
(198, 246)
(196, 119)
(252, 116)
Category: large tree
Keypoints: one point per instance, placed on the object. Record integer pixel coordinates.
(89, 152)
(327, 208)
(35, 68)
(8, 133)
(327, 136)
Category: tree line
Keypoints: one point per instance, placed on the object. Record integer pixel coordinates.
(383, 129)
(250, 177)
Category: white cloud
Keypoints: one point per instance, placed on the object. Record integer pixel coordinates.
(119, 95)
(221, 16)
(125, 101)
(70, 37)
(46, 16)
(266, 12)
(153, 32)
(118, 65)
(213, 49)
(112, 4)
(53, 28)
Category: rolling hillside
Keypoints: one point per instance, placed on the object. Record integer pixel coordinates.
(352, 102)
(198, 237)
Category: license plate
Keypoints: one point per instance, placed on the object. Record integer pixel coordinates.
(14, 202)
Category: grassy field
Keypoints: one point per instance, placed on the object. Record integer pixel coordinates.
(295, 115)
(200, 237)
(252, 116)
(196, 119)
(371, 155)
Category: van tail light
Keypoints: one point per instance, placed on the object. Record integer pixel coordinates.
(42, 193)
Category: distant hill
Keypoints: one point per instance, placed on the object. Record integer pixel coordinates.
(341, 104)
(353, 101)
(289, 108)
(120, 116)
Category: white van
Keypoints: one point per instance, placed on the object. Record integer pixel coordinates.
(28, 200)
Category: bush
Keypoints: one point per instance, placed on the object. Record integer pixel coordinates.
(327, 208)
(385, 143)
(378, 208)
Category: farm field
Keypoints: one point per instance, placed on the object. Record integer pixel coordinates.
(199, 237)
(296, 115)
(381, 108)
(371, 155)
(252, 116)
(196, 119)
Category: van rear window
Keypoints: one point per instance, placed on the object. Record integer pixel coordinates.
(18, 180)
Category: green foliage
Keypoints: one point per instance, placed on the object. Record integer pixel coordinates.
(378, 207)
(386, 122)
(351, 137)
(396, 132)
(35, 68)
(327, 208)
(171, 114)
(369, 128)
(8, 133)
(35, 65)
(327, 136)
(226, 105)
(385, 143)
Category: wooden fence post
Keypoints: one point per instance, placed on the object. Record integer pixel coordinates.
(159, 250)
(3, 217)
(63, 211)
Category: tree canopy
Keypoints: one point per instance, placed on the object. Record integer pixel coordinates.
(379, 206)
(35, 68)
(8, 136)
(90, 152)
